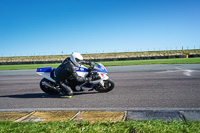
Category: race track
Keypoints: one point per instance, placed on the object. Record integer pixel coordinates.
(146, 86)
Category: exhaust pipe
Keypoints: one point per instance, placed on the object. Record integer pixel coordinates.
(49, 85)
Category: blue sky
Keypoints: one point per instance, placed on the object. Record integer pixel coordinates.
(46, 27)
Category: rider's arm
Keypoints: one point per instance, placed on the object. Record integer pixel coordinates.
(86, 62)
(77, 78)
(89, 68)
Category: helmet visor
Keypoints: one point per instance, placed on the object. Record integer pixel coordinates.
(78, 61)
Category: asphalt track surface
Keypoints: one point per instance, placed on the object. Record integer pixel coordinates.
(136, 87)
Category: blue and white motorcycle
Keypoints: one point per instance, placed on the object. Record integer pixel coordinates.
(100, 81)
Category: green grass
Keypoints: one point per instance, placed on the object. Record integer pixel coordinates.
(27, 66)
(111, 63)
(155, 61)
(152, 126)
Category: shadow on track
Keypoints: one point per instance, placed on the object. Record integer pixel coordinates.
(44, 95)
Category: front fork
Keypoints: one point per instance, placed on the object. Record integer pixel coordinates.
(101, 83)
(103, 77)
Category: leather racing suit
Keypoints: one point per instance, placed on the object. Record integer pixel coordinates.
(66, 76)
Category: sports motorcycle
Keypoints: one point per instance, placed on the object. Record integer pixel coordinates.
(97, 72)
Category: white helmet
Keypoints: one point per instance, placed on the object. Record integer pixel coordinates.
(76, 58)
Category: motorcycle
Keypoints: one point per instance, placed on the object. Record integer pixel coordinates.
(99, 80)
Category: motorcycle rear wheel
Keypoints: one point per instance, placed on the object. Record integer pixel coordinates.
(108, 86)
(46, 89)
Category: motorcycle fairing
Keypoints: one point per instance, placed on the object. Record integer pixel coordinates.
(82, 69)
(46, 73)
(45, 69)
(100, 68)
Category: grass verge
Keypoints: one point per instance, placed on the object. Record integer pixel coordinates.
(101, 55)
(154, 61)
(152, 126)
(111, 63)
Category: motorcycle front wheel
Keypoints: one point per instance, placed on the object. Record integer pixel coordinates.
(108, 86)
(47, 89)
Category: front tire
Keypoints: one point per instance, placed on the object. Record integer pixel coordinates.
(46, 89)
(108, 86)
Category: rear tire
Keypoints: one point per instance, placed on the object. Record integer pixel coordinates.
(108, 86)
(46, 89)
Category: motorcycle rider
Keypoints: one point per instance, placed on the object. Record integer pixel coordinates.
(65, 74)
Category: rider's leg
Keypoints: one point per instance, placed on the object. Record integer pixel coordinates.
(67, 90)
